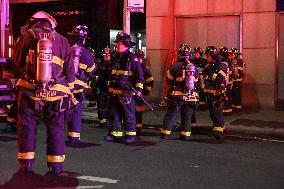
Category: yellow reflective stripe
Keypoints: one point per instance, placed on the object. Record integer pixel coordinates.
(130, 133)
(117, 133)
(241, 68)
(91, 68)
(121, 72)
(222, 73)
(3, 115)
(115, 91)
(71, 85)
(11, 119)
(47, 98)
(24, 83)
(177, 93)
(139, 85)
(55, 159)
(78, 91)
(238, 107)
(169, 75)
(200, 102)
(237, 79)
(138, 125)
(61, 88)
(103, 121)
(57, 60)
(73, 134)
(82, 83)
(148, 88)
(83, 66)
(184, 133)
(149, 79)
(26, 155)
(166, 132)
(212, 91)
(180, 78)
(214, 77)
(220, 129)
(227, 110)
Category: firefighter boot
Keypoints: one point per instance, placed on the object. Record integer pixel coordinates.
(26, 165)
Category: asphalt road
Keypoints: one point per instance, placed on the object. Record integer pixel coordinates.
(150, 163)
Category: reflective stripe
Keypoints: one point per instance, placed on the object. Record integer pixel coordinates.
(74, 134)
(176, 93)
(3, 115)
(117, 133)
(138, 125)
(183, 133)
(149, 79)
(193, 125)
(71, 85)
(82, 83)
(91, 68)
(130, 133)
(11, 119)
(238, 107)
(47, 98)
(61, 88)
(26, 155)
(228, 110)
(55, 159)
(102, 121)
(220, 129)
(148, 88)
(78, 91)
(115, 91)
(24, 83)
(200, 102)
(121, 72)
(57, 60)
(139, 85)
(214, 77)
(222, 73)
(237, 79)
(212, 91)
(83, 66)
(169, 75)
(166, 132)
(180, 78)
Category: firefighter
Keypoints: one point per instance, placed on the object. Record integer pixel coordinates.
(84, 67)
(126, 80)
(103, 73)
(225, 58)
(200, 63)
(47, 78)
(148, 85)
(182, 78)
(215, 85)
(237, 75)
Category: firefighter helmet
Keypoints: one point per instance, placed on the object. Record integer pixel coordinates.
(235, 51)
(80, 31)
(125, 39)
(184, 50)
(198, 50)
(224, 52)
(41, 15)
(139, 53)
(212, 51)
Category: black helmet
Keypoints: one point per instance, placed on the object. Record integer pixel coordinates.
(79, 31)
(198, 50)
(139, 53)
(235, 51)
(125, 39)
(224, 52)
(184, 50)
(212, 51)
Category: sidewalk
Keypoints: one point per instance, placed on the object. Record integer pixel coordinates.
(262, 123)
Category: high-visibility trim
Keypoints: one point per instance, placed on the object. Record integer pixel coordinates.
(138, 125)
(203, 103)
(176, 93)
(212, 91)
(180, 78)
(78, 91)
(195, 79)
(139, 85)
(169, 75)
(238, 107)
(58, 61)
(166, 132)
(11, 119)
(55, 159)
(148, 88)
(3, 115)
(222, 73)
(91, 68)
(25, 83)
(238, 79)
(214, 76)
(130, 133)
(139, 108)
(102, 120)
(241, 68)
(74, 134)
(149, 79)
(117, 133)
(54, 98)
(61, 88)
(26, 155)
(184, 133)
(82, 83)
(121, 72)
(193, 125)
(228, 110)
(219, 129)
(71, 85)
(115, 91)
(83, 66)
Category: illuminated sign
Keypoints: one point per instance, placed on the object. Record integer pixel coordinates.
(68, 13)
(136, 6)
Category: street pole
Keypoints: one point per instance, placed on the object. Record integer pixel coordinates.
(126, 18)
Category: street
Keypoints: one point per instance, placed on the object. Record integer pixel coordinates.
(202, 162)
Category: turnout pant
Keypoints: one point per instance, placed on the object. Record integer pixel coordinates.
(216, 106)
(236, 95)
(103, 109)
(29, 114)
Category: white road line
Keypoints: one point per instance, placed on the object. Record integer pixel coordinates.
(86, 187)
(97, 179)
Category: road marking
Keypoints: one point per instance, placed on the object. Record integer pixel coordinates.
(86, 187)
(98, 179)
